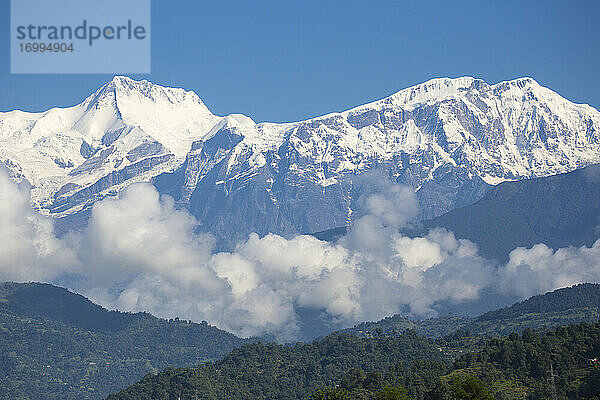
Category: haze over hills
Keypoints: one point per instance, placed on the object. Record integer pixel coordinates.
(448, 139)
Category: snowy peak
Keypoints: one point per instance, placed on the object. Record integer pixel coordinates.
(125, 125)
(440, 89)
(435, 90)
(520, 85)
(167, 114)
(510, 130)
(456, 134)
(125, 89)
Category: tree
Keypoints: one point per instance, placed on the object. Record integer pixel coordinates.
(392, 393)
(468, 387)
(595, 397)
(439, 391)
(373, 380)
(330, 394)
(353, 379)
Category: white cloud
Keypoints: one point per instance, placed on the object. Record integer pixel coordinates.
(541, 269)
(28, 247)
(140, 253)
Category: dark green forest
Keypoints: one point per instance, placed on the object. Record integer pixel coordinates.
(55, 344)
(58, 345)
(271, 371)
(556, 364)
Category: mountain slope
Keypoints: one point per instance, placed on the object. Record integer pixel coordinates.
(125, 131)
(560, 211)
(572, 305)
(269, 371)
(513, 367)
(449, 139)
(57, 344)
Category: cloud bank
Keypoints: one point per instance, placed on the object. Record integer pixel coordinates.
(140, 253)
(28, 248)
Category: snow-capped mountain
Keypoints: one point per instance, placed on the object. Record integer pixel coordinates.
(126, 130)
(450, 139)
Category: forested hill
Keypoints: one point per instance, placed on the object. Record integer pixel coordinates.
(406, 366)
(579, 303)
(577, 297)
(41, 300)
(270, 371)
(55, 344)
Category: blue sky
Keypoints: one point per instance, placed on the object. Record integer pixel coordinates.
(290, 60)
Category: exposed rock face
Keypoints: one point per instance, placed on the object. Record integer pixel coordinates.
(449, 139)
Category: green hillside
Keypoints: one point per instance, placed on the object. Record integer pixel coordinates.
(55, 344)
(528, 366)
(579, 303)
(270, 371)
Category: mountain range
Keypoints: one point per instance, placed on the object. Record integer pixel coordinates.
(451, 140)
